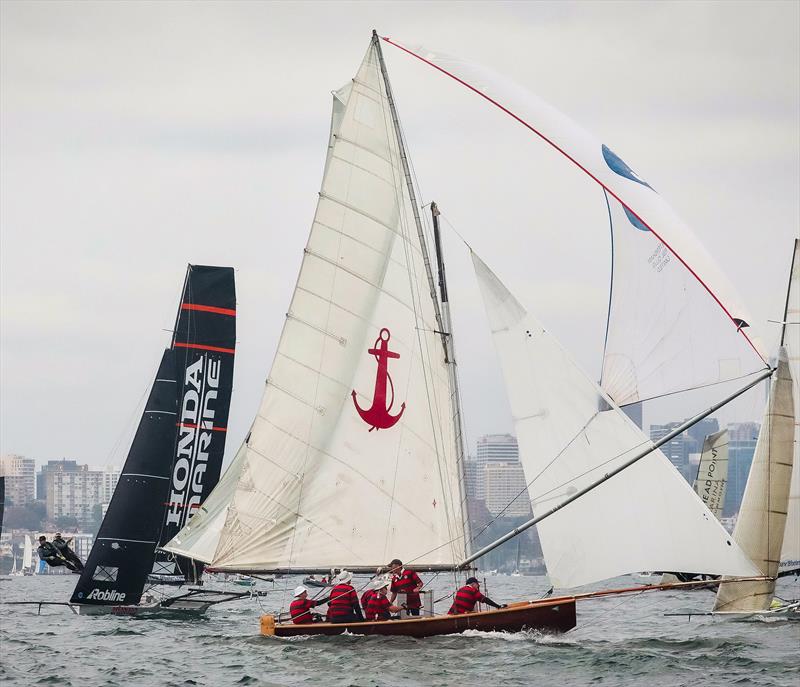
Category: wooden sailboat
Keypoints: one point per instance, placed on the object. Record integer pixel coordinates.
(356, 453)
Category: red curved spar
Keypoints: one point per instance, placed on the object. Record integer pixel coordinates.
(588, 173)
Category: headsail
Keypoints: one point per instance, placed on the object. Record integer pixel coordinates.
(762, 517)
(351, 458)
(712, 473)
(27, 554)
(571, 433)
(652, 246)
(790, 553)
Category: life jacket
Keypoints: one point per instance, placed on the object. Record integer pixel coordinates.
(299, 610)
(365, 597)
(405, 583)
(378, 608)
(465, 600)
(343, 600)
(46, 550)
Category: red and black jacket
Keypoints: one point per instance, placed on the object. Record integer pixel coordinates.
(405, 583)
(343, 602)
(378, 608)
(299, 610)
(365, 597)
(465, 600)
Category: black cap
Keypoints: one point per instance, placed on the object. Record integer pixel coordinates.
(472, 580)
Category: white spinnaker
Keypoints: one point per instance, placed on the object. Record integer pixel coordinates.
(790, 553)
(634, 369)
(27, 554)
(712, 473)
(664, 330)
(200, 536)
(762, 516)
(317, 487)
(570, 434)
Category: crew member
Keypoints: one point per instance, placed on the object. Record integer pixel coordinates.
(300, 608)
(66, 552)
(379, 607)
(468, 596)
(405, 581)
(50, 555)
(343, 606)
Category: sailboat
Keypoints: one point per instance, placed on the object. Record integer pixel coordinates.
(174, 460)
(356, 452)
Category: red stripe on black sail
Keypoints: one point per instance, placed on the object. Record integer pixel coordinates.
(204, 343)
(124, 549)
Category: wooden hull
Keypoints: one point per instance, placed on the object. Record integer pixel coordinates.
(551, 615)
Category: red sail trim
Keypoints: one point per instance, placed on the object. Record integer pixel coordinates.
(208, 308)
(581, 167)
(189, 425)
(201, 347)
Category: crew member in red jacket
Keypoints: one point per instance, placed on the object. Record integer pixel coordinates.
(468, 596)
(300, 608)
(379, 607)
(406, 582)
(343, 606)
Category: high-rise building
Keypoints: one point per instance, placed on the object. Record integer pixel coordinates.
(74, 493)
(110, 479)
(677, 450)
(52, 466)
(740, 457)
(20, 477)
(506, 489)
(493, 448)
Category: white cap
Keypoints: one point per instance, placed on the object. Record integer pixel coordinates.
(299, 590)
(344, 576)
(379, 583)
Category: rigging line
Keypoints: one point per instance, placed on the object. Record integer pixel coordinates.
(610, 285)
(693, 388)
(519, 119)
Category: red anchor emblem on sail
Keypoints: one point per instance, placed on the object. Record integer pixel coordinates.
(378, 415)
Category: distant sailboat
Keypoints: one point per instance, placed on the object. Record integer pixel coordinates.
(356, 453)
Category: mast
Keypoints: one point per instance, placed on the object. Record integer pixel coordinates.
(788, 296)
(679, 430)
(411, 194)
(450, 359)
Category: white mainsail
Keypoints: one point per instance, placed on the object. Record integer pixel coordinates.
(351, 459)
(790, 553)
(570, 434)
(762, 517)
(653, 346)
(712, 473)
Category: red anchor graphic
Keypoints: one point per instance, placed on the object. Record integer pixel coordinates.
(378, 415)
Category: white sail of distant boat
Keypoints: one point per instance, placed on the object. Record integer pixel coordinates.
(712, 472)
(761, 523)
(338, 470)
(570, 433)
(27, 555)
(790, 552)
(14, 565)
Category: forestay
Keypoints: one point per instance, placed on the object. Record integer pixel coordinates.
(652, 347)
(790, 553)
(351, 458)
(570, 434)
(762, 516)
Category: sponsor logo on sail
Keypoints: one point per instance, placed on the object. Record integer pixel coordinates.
(378, 415)
(195, 435)
(105, 595)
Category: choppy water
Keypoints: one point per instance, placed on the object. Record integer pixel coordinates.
(617, 642)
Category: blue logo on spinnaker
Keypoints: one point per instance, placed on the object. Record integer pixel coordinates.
(635, 221)
(617, 165)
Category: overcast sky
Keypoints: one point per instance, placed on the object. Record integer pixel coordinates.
(138, 137)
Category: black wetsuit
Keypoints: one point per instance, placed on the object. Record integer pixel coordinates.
(50, 555)
(68, 553)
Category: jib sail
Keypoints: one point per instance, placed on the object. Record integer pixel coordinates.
(176, 454)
